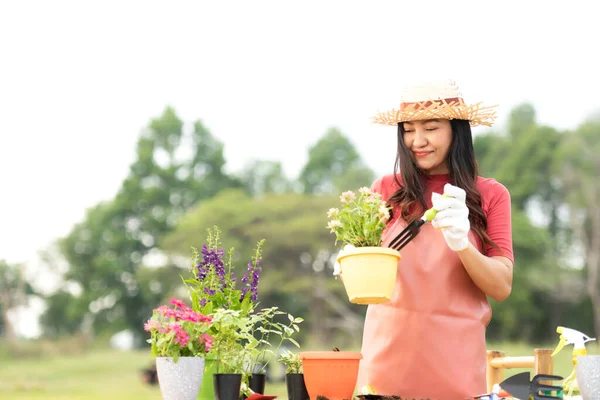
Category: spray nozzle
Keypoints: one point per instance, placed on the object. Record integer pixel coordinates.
(562, 342)
(571, 336)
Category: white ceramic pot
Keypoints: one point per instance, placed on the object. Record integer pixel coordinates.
(180, 380)
(587, 372)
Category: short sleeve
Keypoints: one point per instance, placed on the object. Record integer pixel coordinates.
(377, 186)
(499, 226)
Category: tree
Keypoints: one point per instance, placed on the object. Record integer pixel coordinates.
(579, 166)
(522, 161)
(262, 177)
(14, 292)
(333, 166)
(106, 252)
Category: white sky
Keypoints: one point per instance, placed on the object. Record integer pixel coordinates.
(80, 79)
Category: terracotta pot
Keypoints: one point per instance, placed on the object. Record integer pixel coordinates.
(332, 374)
(369, 274)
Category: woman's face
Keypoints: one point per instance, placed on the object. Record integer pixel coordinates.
(428, 143)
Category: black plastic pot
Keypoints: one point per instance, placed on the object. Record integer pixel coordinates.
(296, 388)
(227, 386)
(257, 383)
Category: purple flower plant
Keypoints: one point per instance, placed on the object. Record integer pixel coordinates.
(214, 258)
(215, 280)
(254, 270)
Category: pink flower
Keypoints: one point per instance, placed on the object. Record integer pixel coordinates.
(178, 303)
(151, 324)
(208, 341)
(181, 336)
(166, 311)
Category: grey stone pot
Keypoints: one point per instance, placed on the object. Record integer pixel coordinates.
(180, 380)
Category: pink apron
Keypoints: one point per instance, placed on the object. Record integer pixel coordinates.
(429, 340)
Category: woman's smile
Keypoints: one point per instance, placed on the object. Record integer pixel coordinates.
(422, 153)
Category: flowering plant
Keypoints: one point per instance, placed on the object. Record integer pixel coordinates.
(178, 331)
(213, 283)
(361, 220)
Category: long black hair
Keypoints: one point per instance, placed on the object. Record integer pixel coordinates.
(463, 169)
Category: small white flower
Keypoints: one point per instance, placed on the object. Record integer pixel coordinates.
(365, 190)
(333, 225)
(384, 212)
(332, 212)
(347, 197)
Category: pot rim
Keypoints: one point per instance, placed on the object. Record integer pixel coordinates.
(330, 355)
(370, 250)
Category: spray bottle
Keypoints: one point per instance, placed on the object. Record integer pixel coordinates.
(578, 340)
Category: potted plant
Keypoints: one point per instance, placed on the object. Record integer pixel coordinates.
(267, 337)
(330, 374)
(212, 286)
(368, 270)
(179, 340)
(294, 378)
(230, 330)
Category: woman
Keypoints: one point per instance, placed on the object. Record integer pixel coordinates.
(429, 340)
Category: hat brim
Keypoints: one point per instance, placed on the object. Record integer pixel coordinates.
(476, 114)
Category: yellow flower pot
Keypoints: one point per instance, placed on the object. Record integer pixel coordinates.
(369, 274)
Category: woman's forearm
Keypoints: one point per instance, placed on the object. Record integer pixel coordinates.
(493, 275)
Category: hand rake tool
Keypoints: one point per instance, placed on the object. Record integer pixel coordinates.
(412, 229)
(521, 387)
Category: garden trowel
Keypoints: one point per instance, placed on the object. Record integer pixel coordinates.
(520, 386)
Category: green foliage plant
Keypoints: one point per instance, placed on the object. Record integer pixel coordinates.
(292, 362)
(232, 331)
(265, 332)
(360, 220)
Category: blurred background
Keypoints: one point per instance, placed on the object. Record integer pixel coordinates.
(129, 128)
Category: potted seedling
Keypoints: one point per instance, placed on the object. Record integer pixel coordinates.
(368, 270)
(294, 378)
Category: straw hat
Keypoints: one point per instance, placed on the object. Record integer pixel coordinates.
(436, 99)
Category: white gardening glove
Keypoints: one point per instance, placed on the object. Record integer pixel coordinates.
(336, 267)
(452, 217)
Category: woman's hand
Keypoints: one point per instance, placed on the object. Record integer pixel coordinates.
(337, 271)
(452, 216)
(493, 275)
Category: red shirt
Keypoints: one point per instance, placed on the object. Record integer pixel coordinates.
(496, 207)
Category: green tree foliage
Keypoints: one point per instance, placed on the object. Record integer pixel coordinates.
(261, 177)
(523, 162)
(14, 292)
(334, 165)
(578, 167)
(108, 250)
